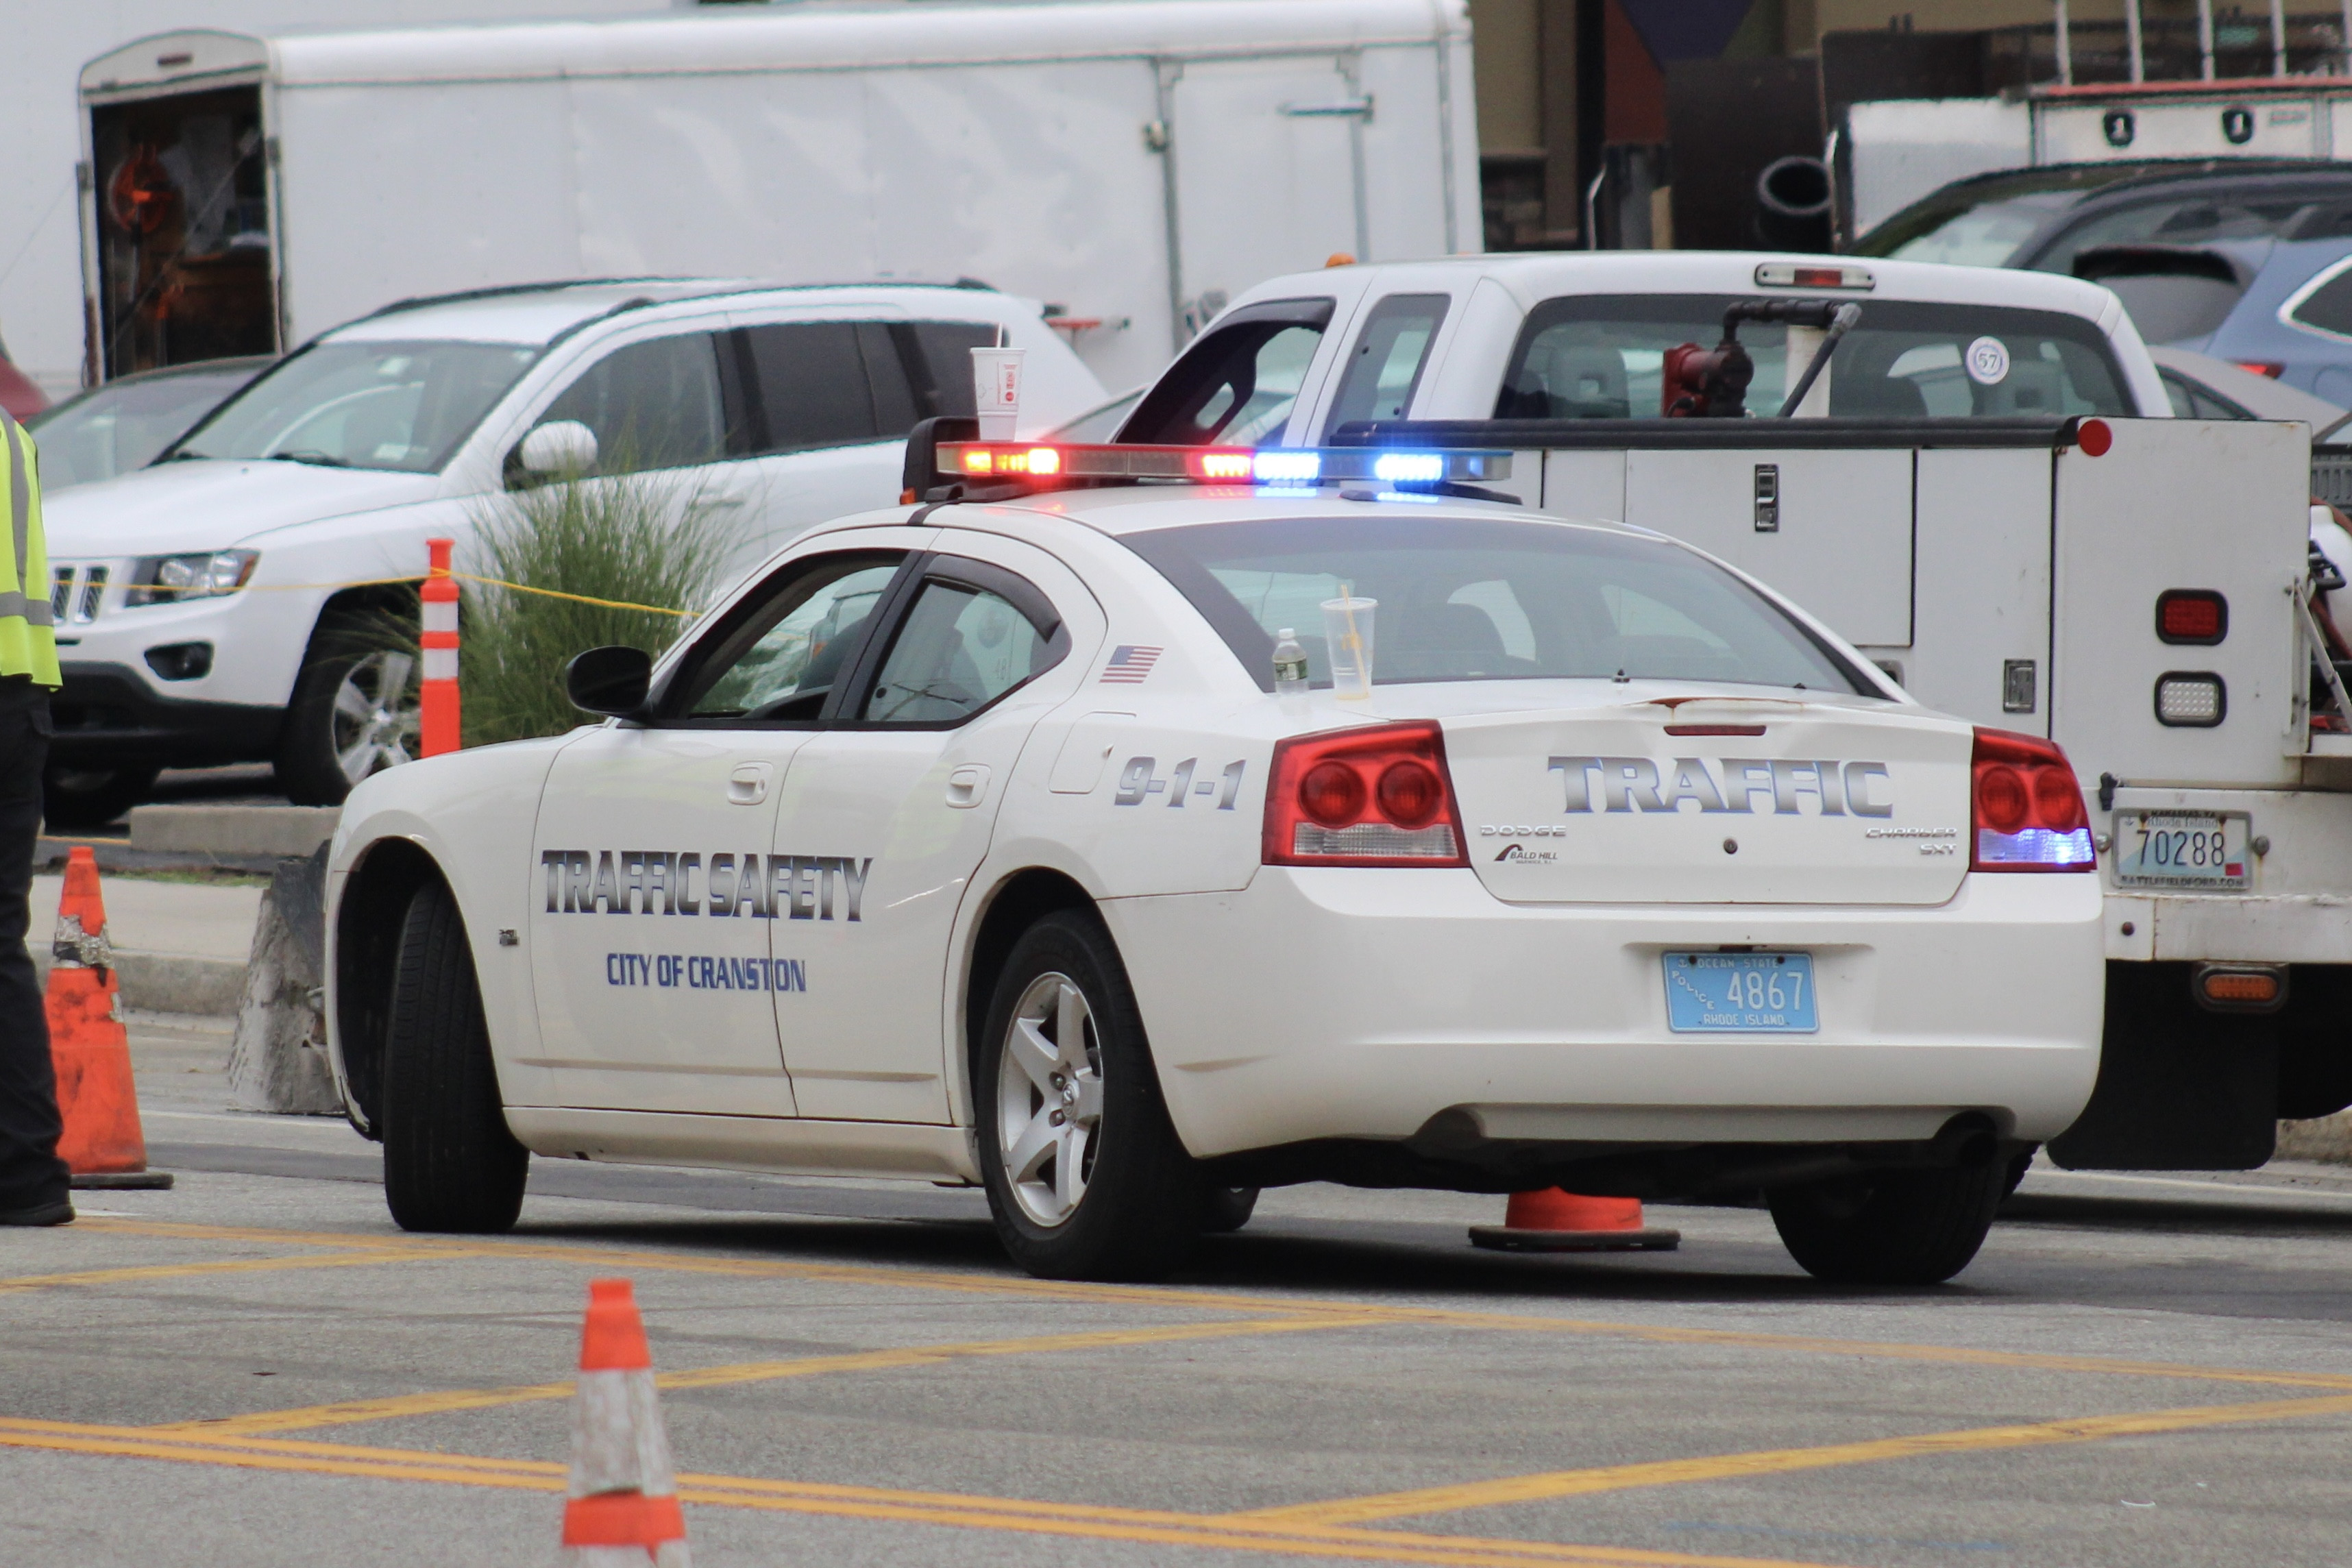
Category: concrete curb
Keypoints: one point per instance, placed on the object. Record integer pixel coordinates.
(232, 830)
(171, 981)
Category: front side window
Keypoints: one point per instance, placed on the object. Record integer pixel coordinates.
(405, 406)
(1238, 385)
(1464, 599)
(779, 662)
(1603, 356)
(959, 648)
(654, 404)
(1388, 358)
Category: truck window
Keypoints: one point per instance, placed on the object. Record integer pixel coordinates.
(1236, 386)
(1602, 357)
(1466, 600)
(655, 405)
(1389, 356)
(363, 404)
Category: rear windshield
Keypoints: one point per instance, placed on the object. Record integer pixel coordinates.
(364, 405)
(1476, 600)
(1602, 356)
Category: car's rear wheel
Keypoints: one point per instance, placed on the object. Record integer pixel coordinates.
(357, 710)
(449, 1161)
(1085, 1175)
(1890, 1228)
(92, 797)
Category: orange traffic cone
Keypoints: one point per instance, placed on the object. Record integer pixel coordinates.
(102, 1146)
(1555, 1221)
(623, 1509)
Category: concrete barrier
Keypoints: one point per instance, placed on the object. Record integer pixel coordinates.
(231, 830)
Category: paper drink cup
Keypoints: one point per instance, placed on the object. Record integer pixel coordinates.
(1348, 634)
(996, 391)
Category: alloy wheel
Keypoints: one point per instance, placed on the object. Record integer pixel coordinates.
(377, 714)
(1049, 1099)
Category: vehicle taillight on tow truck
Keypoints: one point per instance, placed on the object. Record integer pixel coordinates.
(2025, 807)
(1375, 796)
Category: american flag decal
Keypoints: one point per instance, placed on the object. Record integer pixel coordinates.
(1129, 665)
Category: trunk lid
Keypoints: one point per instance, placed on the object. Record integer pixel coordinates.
(1713, 799)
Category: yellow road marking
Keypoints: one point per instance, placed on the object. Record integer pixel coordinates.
(232, 1266)
(1079, 1521)
(1774, 1461)
(1206, 1300)
(352, 1411)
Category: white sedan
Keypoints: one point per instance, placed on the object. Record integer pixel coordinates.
(973, 842)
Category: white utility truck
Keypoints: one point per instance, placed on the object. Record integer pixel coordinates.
(1980, 485)
(1133, 162)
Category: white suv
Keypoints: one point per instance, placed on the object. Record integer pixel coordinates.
(202, 612)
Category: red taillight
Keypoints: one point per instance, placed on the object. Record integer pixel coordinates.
(2025, 807)
(1373, 796)
(2261, 368)
(2194, 615)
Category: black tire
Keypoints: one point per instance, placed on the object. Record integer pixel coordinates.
(323, 754)
(1227, 1210)
(92, 797)
(1140, 1206)
(1889, 1227)
(2014, 1176)
(449, 1161)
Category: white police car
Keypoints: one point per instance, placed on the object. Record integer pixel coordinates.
(972, 841)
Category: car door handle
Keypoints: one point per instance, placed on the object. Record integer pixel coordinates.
(967, 786)
(748, 786)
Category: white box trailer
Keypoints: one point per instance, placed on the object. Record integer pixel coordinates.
(1133, 164)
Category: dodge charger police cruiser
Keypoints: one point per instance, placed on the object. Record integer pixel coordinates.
(1972, 476)
(972, 841)
(216, 606)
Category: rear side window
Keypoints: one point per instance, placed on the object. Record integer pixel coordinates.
(1388, 359)
(809, 383)
(1602, 357)
(1467, 599)
(1237, 385)
(2325, 304)
(654, 404)
(941, 361)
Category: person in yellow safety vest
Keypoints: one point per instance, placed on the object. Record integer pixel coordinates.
(33, 1180)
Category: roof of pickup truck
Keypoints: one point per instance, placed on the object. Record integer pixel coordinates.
(1541, 275)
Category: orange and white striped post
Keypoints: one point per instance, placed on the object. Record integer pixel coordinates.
(439, 718)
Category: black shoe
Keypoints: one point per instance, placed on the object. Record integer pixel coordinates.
(56, 1211)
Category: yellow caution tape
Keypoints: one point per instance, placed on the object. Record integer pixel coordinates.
(411, 582)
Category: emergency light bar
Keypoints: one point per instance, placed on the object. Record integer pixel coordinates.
(1300, 465)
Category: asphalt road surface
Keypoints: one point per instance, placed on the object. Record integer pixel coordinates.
(258, 1369)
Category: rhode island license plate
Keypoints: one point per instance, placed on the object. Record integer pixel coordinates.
(1741, 993)
(2182, 849)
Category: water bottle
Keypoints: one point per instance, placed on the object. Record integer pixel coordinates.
(1289, 664)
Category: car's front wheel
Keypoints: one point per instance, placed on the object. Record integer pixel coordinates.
(1890, 1228)
(1086, 1176)
(357, 710)
(92, 797)
(449, 1161)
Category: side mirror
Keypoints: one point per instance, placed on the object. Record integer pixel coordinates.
(564, 447)
(609, 680)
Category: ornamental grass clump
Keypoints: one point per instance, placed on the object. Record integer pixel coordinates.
(637, 538)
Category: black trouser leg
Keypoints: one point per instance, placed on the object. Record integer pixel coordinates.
(30, 1171)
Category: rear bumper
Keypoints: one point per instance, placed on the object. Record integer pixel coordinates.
(1328, 1004)
(107, 715)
